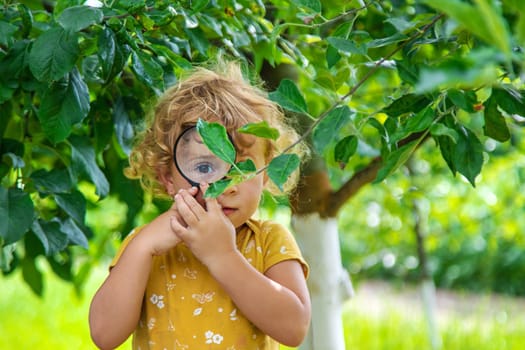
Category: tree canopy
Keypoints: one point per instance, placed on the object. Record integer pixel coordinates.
(367, 81)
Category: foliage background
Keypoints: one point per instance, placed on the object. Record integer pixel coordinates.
(435, 84)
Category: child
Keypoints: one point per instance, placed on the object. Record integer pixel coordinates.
(205, 274)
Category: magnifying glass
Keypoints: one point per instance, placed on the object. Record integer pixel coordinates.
(195, 161)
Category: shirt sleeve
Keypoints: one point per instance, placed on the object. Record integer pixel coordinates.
(280, 245)
(123, 246)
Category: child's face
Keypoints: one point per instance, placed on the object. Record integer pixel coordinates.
(241, 201)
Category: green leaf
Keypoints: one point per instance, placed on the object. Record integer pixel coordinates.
(54, 53)
(198, 5)
(400, 23)
(147, 70)
(447, 147)
(174, 58)
(463, 99)
(15, 147)
(495, 125)
(27, 19)
(478, 68)
(64, 104)
(216, 138)
(242, 168)
(421, 121)
(395, 160)
(32, 276)
(123, 127)
(397, 37)
(482, 19)
(440, 129)
(217, 188)
(107, 50)
(198, 40)
(342, 31)
(76, 18)
(61, 266)
(16, 214)
(74, 233)
(83, 162)
(50, 235)
(468, 155)
(314, 5)
(261, 129)
(510, 100)
(408, 72)
(347, 45)
(6, 33)
(281, 167)
(327, 131)
(519, 29)
(407, 103)
(344, 149)
(74, 204)
(289, 97)
(53, 181)
(113, 56)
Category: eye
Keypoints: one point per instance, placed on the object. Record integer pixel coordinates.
(204, 168)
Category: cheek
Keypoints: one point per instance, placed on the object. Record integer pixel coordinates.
(255, 186)
(179, 182)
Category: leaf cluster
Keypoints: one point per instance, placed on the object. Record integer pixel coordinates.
(365, 80)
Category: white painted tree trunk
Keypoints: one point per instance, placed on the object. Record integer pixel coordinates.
(428, 291)
(329, 283)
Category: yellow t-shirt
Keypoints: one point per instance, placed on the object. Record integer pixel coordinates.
(185, 308)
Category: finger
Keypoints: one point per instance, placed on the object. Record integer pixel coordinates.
(185, 212)
(212, 205)
(193, 191)
(192, 203)
(175, 224)
(177, 228)
(175, 213)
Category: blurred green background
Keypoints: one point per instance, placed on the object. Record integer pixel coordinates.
(380, 316)
(473, 238)
(474, 241)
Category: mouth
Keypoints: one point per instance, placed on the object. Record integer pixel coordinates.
(228, 211)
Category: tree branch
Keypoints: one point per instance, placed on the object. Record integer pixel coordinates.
(335, 200)
(331, 201)
(367, 76)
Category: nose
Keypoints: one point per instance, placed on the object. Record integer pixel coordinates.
(231, 190)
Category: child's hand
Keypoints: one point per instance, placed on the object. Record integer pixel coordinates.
(208, 233)
(160, 236)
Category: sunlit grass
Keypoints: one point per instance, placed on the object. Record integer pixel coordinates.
(58, 321)
(394, 320)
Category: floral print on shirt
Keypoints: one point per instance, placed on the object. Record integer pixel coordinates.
(185, 308)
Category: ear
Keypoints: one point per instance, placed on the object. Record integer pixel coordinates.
(166, 178)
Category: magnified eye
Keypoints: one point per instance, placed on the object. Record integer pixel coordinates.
(204, 168)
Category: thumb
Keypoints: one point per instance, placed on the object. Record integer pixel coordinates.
(211, 202)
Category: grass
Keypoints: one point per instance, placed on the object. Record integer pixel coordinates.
(57, 321)
(393, 319)
(387, 319)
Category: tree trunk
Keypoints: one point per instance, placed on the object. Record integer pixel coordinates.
(428, 288)
(329, 283)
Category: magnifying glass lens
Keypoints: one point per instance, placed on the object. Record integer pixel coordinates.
(195, 161)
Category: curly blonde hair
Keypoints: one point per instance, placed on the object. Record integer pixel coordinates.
(221, 95)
